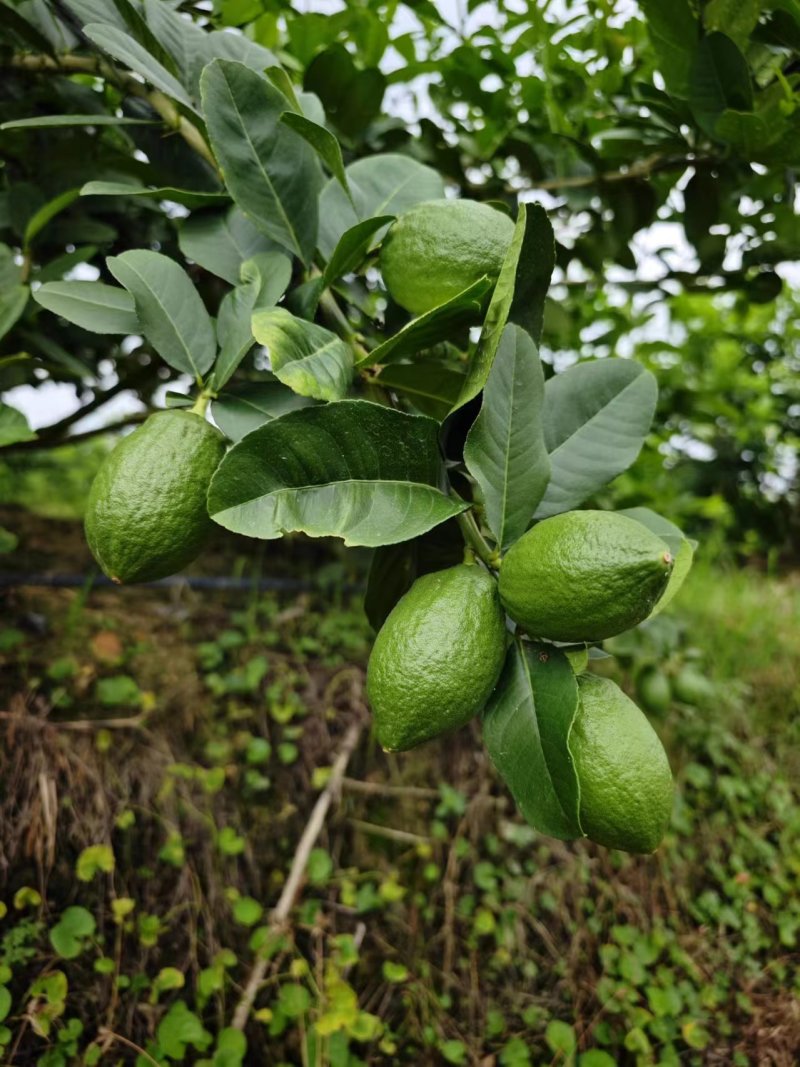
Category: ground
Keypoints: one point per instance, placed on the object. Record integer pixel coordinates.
(162, 750)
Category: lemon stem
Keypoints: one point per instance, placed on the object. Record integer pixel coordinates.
(200, 405)
(474, 539)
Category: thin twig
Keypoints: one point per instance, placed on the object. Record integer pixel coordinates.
(132, 722)
(283, 908)
(382, 789)
(389, 832)
(108, 1037)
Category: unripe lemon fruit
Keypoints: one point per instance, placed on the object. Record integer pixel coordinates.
(439, 248)
(653, 690)
(146, 516)
(437, 657)
(625, 781)
(584, 576)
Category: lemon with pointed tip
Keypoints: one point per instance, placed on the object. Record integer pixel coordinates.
(584, 576)
(625, 780)
(439, 248)
(437, 657)
(146, 515)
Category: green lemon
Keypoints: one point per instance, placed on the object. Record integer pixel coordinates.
(622, 768)
(584, 576)
(437, 657)
(653, 690)
(146, 516)
(439, 248)
(691, 687)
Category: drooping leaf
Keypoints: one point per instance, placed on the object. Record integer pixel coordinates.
(171, 314)
(220, 243)
(243, 408)
(272, 173)
(431, 387)
(526, 727)
(94, 306)
(137, 58)
(505, 451)
(308, 358)
(13, 426)
(12, 304)
(265, 279)
(380, 185)
(353, 469)
(596, 417)
(438, 324)
(719, 81)
(187, 197)
(37, 222)
(322, 141)
(534, 270)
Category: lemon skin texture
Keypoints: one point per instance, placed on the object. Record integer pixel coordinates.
(146, 516)
(441, 247)
(625, 781)
(437, 657)
(584, 576)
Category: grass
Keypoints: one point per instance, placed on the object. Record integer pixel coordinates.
(434, 926)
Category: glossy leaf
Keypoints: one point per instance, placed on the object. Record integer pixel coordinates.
(243, 408)
(438, 324)
(308, 358)
(37, 222)
(322, 141)
(380, 185)
(99, 119)
(596, 418)
(353, 247)
(94, 306)
(265, 279)
(505, 451)
(13, 426)
(526, 727)
(354, 470)
(534, 270)
(171, 314)
(674, 32)
(187, 197)
(128, 51)
(270, 171)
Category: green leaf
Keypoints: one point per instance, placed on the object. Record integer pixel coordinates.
(37, 222)
(8, 541)
(737, 18)
(431, 387)
(13, 426)
(380, 185)
(265, 279)
(519, 293)
(99, 119)
(12, 303)
(720, 80)
(270, 171)
(68, 936)
(680, 547)
(438, 324)
(294, 1000)
(221, 243)
(352, 97)
(320, 867)
(561, 1037)
(505, 450)
(124, 48)
(187, 197)
(92, 305)
(5, 1003)
(596, 418)
(353, 247)
(353, 470)
(308, 358)
(179, 1028)
(322, 141)
(526, 727)
(171, 314)
(391, 573)
(247, 911)
(245, 407)
(231, 1048)
(534, 270)
(674, 32)
(93, 860)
